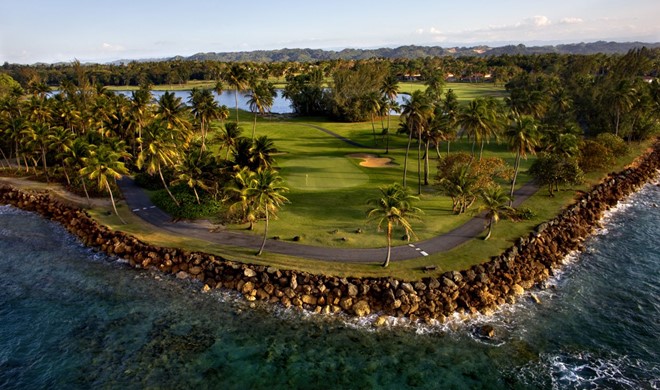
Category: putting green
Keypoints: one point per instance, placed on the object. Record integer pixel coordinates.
(322, 173)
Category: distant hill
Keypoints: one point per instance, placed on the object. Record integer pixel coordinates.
(412, 51)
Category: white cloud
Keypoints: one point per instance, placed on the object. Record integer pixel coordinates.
(112, 47)
(571, 21)
(538, 21)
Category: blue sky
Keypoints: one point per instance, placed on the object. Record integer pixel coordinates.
(62, 30)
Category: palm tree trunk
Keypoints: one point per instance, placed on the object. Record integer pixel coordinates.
(160, 172)
(254, 125)
(5, 157)
(373, 127)
(43, 156)
(263, 243)
(419, 163)
(387, 141)
(85, 189)
(203, 127)
(196, 196)
(448, 142)
(112, 199)
(515, 176)
(481, 151)
(490, 229)
(616, 129)
(426, 164)
(389, 244)
(236, 96)
(405, 159)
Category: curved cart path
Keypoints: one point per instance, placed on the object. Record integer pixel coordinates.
(139, 203)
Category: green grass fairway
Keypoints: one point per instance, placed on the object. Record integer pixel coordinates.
(322, 173)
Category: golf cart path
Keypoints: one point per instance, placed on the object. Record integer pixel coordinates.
(139, 203)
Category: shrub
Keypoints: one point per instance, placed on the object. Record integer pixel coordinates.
(594, 156)
(188, 207)
(614, 144)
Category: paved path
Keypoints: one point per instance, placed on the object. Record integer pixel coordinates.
(139, 203)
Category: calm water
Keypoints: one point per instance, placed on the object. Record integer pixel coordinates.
(70, 318)
(281, 105)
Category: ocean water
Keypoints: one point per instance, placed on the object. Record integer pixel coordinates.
(71, 318)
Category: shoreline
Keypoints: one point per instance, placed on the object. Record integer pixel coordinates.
(482, 288)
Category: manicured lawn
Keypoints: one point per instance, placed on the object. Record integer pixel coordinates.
(329, 192)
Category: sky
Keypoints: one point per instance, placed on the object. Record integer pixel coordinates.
(101, 31)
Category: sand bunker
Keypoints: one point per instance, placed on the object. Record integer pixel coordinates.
(371, 161)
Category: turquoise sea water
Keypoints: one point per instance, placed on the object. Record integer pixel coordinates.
(71, 318)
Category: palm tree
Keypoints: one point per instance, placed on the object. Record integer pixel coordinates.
(262, 152)
(394, 207)
(104, 166)
(204, 109)
(229, 137)
(60, 141)
(390, 89)
(266, 191)
(158, 151)
(237, 190)
(523, 138)
(495, 204)
(174, 113)
(238, 77)
(191, 169)
(75, 158)
(479, 119)
(621, 98)
(371, 104)
(139, 108)
(415, 113)
(37, 136)
(260, 99)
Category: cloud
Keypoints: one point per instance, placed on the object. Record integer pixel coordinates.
(541, 28)
(112, 47)
(538, 21)
(571, 21)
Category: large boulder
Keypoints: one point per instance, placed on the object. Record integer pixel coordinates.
(361, 308)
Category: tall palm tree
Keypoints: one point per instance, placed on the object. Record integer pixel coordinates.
(393, 207)
(204, 109)
(238, 77)
(523, 138)
(37, 136)
(191, 169)
(480, 121)
(262, 152)
(139, 108)
(174, 113)
(415, 112)
(237, 191)
(158, 151)
(60, 141)
(75, 159)
(390, 89)
(105, 166)
(267, 192)
(495, 203)
(621, 98)
(260, 99)
(229, 137)
(371, 104)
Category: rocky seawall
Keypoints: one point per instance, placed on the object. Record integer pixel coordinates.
(482, 288)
